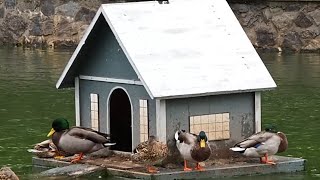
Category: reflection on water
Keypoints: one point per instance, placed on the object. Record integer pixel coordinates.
(295, 105)
(29, 101)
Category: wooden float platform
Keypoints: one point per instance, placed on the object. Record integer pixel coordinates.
(125, 168)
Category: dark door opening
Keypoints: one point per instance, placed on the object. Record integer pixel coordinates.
(120, 121)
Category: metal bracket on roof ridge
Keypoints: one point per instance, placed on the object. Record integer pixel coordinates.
(163, 1)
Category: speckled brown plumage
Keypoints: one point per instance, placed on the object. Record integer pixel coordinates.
(150, 152)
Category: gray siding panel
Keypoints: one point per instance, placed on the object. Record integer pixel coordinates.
(240, 107)
(103, 56)
(103, 90)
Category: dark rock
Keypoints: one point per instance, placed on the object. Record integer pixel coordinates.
(47, 27)
(310, 7)
(303, 21)
(85, 14)
(291, 42)
(35, 26)
(293, 7)
(242, 8)
(249, 19)
(10, 4)
(64, 43)
(12, 28)
(5, 36)
(70, 9)
(310, 33)
(312, 46)
(283, 21)
(267, 14)
(17, 24)
(315, 15)
(265, 38)
(30, 5)
(63, 26)
(1, 12)
(47, 7)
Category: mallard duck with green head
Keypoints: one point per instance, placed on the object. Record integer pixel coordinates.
(77, 140)
(151, 152)
(263, 144)
(192, 147)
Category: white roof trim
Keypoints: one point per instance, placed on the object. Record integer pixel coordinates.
(127, 54)
(215, 93)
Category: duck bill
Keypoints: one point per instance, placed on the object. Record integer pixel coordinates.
(202, 143)
(51, 132)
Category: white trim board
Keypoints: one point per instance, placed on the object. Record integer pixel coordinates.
(111, 80)
(257, 109)
(76, 52)
(161, 120)
(77, 100)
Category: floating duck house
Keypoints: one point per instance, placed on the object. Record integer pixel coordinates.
(147, 68)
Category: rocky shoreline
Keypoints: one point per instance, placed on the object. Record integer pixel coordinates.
(273, 26)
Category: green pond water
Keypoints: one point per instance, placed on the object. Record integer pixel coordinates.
(29, 101)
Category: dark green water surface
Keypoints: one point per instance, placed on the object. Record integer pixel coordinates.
(29, 101)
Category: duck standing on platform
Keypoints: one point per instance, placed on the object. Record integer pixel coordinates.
(150, 152)
(263, 144)
(193, 148)
(77, 140)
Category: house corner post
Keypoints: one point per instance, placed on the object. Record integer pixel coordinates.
(77, 100)
(257, 104)
(161, 122)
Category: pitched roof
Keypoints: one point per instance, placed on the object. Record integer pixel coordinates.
(185, 48)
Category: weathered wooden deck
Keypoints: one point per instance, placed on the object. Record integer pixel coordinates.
(124, 167)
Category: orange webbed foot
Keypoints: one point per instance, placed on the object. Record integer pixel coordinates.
(77, 159)
(185, 167)
(199, 168)
(152, 169)
(266, 161)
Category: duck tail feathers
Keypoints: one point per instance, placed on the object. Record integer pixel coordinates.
(238, 149)
(108, 144)
(176, 136)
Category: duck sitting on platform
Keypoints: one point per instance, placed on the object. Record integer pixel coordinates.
(263, 144)
(193, 148)
(151, 152)
(77, 140)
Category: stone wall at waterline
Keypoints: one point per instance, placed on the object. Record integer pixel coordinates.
(270, 25)
(54, 23)
(281, 26)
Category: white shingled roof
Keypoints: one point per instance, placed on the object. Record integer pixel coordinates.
(186, 48)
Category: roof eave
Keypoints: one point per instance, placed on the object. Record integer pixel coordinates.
(215, 93)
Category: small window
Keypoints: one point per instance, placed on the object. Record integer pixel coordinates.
(216, 126)
(144, 134)
(94, 111)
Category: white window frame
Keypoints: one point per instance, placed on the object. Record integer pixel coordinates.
(94, 111)
(144, 120)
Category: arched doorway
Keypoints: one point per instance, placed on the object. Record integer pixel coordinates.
(120, 120)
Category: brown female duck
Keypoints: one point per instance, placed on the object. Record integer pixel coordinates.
(263, 144)
(151, 152)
